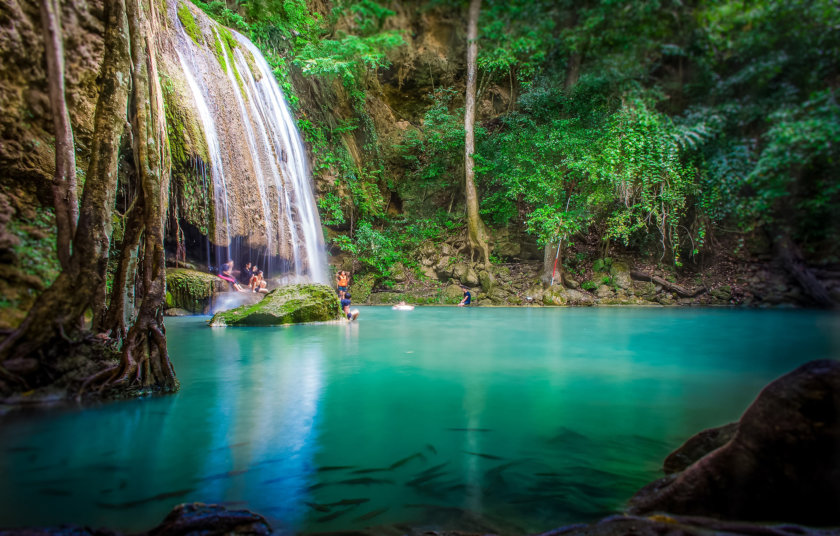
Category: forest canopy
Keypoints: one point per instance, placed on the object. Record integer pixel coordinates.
(657, 125)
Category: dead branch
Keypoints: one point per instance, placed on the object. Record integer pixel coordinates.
(673, 287)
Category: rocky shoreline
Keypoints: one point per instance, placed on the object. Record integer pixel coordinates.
(519, 284)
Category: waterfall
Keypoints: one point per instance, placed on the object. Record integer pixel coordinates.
(262, 186)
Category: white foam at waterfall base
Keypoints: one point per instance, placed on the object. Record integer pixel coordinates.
(231, 300)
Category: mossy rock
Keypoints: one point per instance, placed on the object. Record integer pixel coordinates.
(293, 304)
(190, 289)
(190, 25)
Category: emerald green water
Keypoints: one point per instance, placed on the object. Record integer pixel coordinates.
(516, 419)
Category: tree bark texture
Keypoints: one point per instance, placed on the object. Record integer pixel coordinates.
(64, 180)
(549, 256)
(58, 310)
(145, 360)
(475, 227)
(121, 308)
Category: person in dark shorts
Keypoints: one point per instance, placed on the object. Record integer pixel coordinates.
(345, 305)
(467, 297)
(342, 280)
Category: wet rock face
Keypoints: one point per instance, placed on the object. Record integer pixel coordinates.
(782, 464)
(293, 304)
(26, 130)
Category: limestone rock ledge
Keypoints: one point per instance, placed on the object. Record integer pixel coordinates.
(293, 304)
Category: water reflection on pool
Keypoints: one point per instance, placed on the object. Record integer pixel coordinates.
(514, 420)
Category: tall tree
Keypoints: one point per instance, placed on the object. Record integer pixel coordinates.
(475, 226)
(52, 329)
(64, 181)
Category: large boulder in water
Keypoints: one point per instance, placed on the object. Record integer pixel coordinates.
(781, 464)
(293, 304)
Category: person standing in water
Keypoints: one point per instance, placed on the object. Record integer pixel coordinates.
(342, 279)
(345, 306)
(467, 297)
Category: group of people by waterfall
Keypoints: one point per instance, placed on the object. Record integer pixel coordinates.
(251, 278)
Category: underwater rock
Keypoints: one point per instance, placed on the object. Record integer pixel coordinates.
(293, 304)
(698, 446)
(782, 464)
(209, 520)
(658, 525)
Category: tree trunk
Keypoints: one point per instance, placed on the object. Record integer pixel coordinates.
(553, 251)
(475, 227)
(58, 309)
(64, 180)
(123, 292)
(573, 71)
(145, 360)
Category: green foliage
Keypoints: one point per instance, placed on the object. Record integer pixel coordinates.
(602, 265)
(36, 245)
(376, 249)
(589, 285)
(433, 157)
(220, 12)
(347, 58)
(650, 124)
(330, 206)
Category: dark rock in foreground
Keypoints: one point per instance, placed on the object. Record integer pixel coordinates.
(658, 525)
(184, 519)
(210, 519)
(783, 463)
(698, 446)
(293, 304)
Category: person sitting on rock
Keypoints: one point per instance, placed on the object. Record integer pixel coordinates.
(345, 306)
(260, 284)
(227, 275)
(246, 274)
(254, 277)
(467, 297)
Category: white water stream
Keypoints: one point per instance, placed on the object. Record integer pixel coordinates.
(262, 183)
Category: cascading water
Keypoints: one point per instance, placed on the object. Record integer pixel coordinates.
(261, 181)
